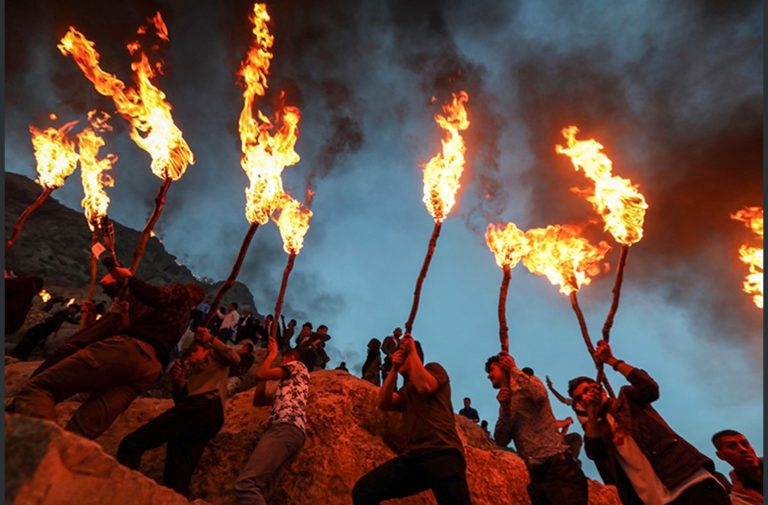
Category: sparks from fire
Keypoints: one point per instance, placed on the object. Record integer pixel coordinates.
(752, 217)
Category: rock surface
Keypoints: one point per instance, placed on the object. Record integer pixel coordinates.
(347, 436)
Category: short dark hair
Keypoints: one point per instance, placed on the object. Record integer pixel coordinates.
(720, 434)
(527, 371)
(321, 327)
(574, 383)
(249, 346)
(419, 350)
(234, 304)
(467, 398)
(292, 321)
(493, 359)
(307, 325)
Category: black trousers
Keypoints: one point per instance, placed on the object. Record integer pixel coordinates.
(34, 337)
(444, 472)
(558, 481)
(187, 428)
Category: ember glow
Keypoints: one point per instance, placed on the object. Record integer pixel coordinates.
(616, 199)
(293, 222)
(563, 256)
(267, 147)
(92, 172)
(442, 172)
(152, 126)
(55, 155)
(752, 217)
(44, 295)
(509, 244)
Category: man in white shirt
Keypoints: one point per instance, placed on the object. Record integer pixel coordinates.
(228, 323)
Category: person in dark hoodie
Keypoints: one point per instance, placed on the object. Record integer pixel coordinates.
(115, 370)
(633, 447)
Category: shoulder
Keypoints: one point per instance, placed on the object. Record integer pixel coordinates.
(296, 369)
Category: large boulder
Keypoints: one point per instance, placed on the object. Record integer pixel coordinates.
(347, 436)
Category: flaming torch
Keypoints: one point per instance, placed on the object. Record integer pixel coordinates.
(752, 217)
(145, 107)
(568, 260)
(616, 199)
(441, 181)
(56, 160)
(267, 149)
(293, 222)
(95, 202)
(509, 244)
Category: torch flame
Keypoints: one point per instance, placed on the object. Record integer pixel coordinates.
(152, 126)
(616, 199)
(265, 154)
(293, 222)
(564, 257)
(752, 217)
(509, 244)
(44, 295)
(442, 172)
(55, 155)
(95, 202)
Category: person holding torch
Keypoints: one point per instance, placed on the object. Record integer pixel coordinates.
(525, 416)
(434, 456)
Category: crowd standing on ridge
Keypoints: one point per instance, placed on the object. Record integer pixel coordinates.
(151, 331)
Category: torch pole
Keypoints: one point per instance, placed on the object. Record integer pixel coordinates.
(422, 275)
(616, 293)
(588, 340)
(281, 295)
(232, 275)
(142, 245)
(24, 215)
(503, 329)
(86, 309)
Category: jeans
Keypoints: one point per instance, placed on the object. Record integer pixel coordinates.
(558, 481)
(267, 462)
(444, 472)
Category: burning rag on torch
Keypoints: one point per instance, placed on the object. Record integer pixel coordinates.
(56, 160)
(441, 182)
(508, 244)
(267, 147)
(144, 107)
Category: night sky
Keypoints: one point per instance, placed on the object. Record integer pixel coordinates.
(672, 89)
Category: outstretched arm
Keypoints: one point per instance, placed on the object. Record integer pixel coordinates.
(643, 388)
(563, 399)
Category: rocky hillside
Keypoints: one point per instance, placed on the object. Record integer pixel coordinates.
(346, 437)
(55, 244)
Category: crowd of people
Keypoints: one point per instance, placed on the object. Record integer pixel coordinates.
(154, 330)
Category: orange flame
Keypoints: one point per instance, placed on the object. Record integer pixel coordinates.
(293, 222)
(152, 126)
(616, 199)
(752, 217)
(509, 244)
(95, 202)
(442, 173)
(44, 295)
(564, 257)
(267, 149)
(55, 155)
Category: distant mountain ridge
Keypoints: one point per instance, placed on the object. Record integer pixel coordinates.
(55, 244)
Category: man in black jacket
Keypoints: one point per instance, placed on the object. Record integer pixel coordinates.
(115, 370)
(633, 447)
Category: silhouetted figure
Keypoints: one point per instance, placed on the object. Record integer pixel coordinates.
(19, 293)
(469, 412)
(37, 335)
(342, 366)
(372, 366)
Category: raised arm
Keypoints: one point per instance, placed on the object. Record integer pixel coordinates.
(221, 350)
(563, 399)
(642, 388)
(266, 371)
(388, 397)
(423, 381)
